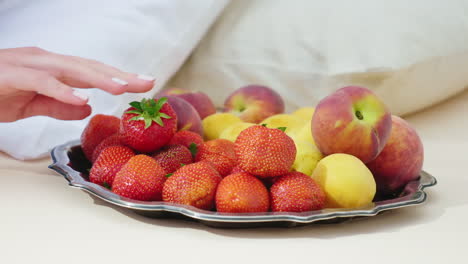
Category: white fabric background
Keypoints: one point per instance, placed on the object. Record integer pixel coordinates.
(150, 37)
(413, 54)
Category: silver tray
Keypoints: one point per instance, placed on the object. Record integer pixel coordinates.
(69, 161)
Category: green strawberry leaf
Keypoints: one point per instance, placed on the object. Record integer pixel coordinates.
(160, 103)
(133, 112)
(181, 165)
(158, 120)
(135, 118)
(152, 107)
(282, 128)
(147, 122)
(193, 149)
(265, 125)
(145, 106)
(106, 185)
(148, 110)
(163, 115)
(136, 105)
(168, 175)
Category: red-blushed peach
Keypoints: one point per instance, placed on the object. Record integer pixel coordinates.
(352, 120)
(187, 116)
(199, 100)
(401, 159)
(254, 103)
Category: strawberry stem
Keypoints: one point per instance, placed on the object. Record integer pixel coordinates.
(193, 149)
(106, 185)
(148, 110)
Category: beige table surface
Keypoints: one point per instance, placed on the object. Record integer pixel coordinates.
(42, 220)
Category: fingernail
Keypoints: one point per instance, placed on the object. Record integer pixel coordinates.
(83, 97)
(145, 77)
(119, 81)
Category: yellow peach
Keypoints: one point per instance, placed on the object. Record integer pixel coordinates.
(305, 113)
(346, 181)
(307, 157)
(214, 124)
(291, 122)
(304, 134)
(231, 132)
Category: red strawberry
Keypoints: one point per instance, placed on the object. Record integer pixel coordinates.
(242, 193)
(141, 178)
(236, 169)
(113, 140)
(186, 138)
(267, 181)
(98, 128)
(296, 192)
(194, 184)
(108, 164)
(172, 157)
(220, 152)
(265, 152)
(148, 125)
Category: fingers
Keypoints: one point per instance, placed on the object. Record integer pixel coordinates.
(137, 83)
(25, 79)
(84, 73)
(42, 105)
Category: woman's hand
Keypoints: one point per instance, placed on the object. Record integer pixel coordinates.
(36, 82)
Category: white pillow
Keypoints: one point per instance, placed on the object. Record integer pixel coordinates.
(411, 53)
(151, 37)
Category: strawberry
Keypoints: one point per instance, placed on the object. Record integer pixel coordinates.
(141, 178)
(194, 184)
(236, 169)
(108, 164)
(242, 193)
(268, 181)
(220, 152)
(265, 152)
(186, 138)
(148, 125)
(113, 140)
(98, 128)
(172, 157)
(296, 192)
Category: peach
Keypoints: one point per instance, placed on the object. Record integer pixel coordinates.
(199, 100)
(254, 103)
(346, 181)
(187, 116)
(214, 125)
(307, 157)
(292, 123)
(401, 159)
(305, 113)
(232, 132)
(304, 134)
(352, 120)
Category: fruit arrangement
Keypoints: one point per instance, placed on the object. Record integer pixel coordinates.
(252, 157)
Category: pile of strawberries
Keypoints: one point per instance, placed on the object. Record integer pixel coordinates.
(142, 156)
